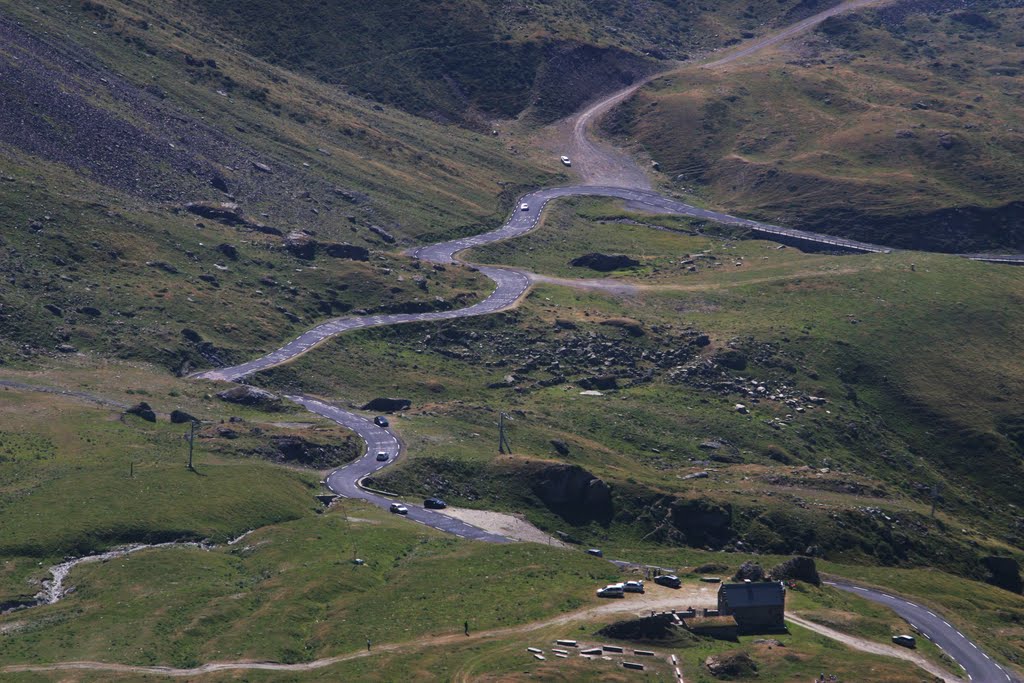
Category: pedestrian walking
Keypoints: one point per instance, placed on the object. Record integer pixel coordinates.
(367, 644)
(465, 627)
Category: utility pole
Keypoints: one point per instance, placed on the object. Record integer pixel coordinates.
(503, 445)
(191, 440)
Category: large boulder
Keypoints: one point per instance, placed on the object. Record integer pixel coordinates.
(797, 569)
(604, 263)
(227, 213)
(143, 410)
(301, 245)
(387, 405)
(574, 493)
(731, 666)
(252, 396)
(181, 417)
(382, 233)
(1003, 572)
(749, 571)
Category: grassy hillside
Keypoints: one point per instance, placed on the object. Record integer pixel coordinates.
(882, 342)
(471, 62)
(899, 126)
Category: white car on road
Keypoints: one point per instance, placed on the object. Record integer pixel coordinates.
(399, 509)
(566, 160)
(524, 207)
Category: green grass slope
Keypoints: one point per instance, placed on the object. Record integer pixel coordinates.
(898, 125)
(883, 342)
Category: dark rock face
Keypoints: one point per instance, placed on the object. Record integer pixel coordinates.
(347, 251)
(604, 263)
(561, 447)
(574, 494)
(56, 310)
(1003, 572)
(252, 396)
(181, 417)
(703, 523)
(387, 405)
(798, 569)
(143, 410)
(749, 571)
(295, 449)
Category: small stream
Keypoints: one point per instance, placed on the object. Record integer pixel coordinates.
(53, 588)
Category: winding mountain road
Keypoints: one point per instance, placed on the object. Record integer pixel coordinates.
(609, 173)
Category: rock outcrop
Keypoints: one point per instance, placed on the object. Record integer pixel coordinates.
(252, 396)
(733, 665)
(604, 263)
(749, 571)
(1003, 572)
(387, 405)
(797, 569)
(574, 493)
(181, 417)
(143, 410)
(347, 251)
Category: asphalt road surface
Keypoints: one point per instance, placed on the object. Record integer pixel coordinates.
(978, 665)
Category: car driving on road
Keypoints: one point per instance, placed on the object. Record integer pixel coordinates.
(380, 421)
(434, 504)
(382, 456)
(399, 509)
(524, 207)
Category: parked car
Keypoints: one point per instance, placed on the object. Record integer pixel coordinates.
(633, 586)
(382, 456)
(434, 504)
(613, 590)
(524, 207)
(596, 552)
(399, 509)
(905, 641)
(565, 160)
(670, 580)
(380, 421)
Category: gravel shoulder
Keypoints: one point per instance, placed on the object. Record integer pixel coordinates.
(511, 526)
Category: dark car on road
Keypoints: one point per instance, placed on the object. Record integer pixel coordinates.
(434, 504)
(669, 580)
(380, 421)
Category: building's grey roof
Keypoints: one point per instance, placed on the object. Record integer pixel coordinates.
(770, 594)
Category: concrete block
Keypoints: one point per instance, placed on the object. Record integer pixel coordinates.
(633, 665)
(612, 648)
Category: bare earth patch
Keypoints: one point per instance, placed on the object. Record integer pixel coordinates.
(512, 526)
